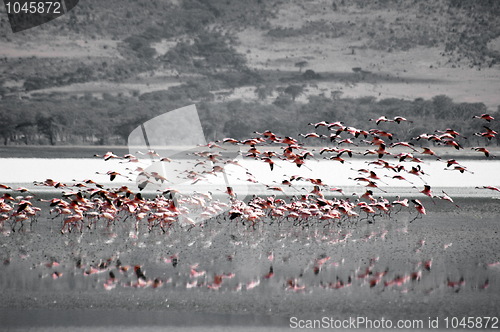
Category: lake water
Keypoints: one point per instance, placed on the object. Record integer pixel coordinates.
(23, 171)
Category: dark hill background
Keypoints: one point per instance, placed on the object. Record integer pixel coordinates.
(205, 62)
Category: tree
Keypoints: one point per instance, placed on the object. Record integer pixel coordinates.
(3, 90)
(263, 91)
(442, 106)
(336, 94)
(301, 64)
(7, 125)
(294, 91)
(47, 126)
(237, 128)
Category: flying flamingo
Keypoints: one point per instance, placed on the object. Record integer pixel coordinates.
(315, 135)
(319, 124)
(489, 187)
(338, 158)
(485, 116)
(109, 155)
(405, 144)
(399, 119)
(430, 152)
(489, 133)
(447, 198)
(399, 177)
(381, 119)
(230, 140)
(453, 143)
(419, 207)
(270, 162)
(451, 132)
(338, 124)
(459, 168)
(427, 191)
(381, 133)
(481, 149)
(403, 202)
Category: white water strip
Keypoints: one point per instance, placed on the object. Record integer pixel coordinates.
(482, 173)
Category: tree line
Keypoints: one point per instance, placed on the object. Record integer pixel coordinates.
(91, 121)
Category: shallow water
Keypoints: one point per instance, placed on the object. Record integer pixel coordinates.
(138, 320)
(460, 244)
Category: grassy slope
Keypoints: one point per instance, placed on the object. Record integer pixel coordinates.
(385, 25)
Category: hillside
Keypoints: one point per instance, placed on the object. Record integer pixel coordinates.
(117, 63)
(465, 30)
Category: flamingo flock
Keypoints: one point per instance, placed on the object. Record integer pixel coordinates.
(85, 203)
(276, 268)
(296, 201)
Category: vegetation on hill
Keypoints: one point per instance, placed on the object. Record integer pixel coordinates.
(461, 28)
(92, 121)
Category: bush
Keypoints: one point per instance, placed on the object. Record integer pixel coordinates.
(141, 46)
(311, 75)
